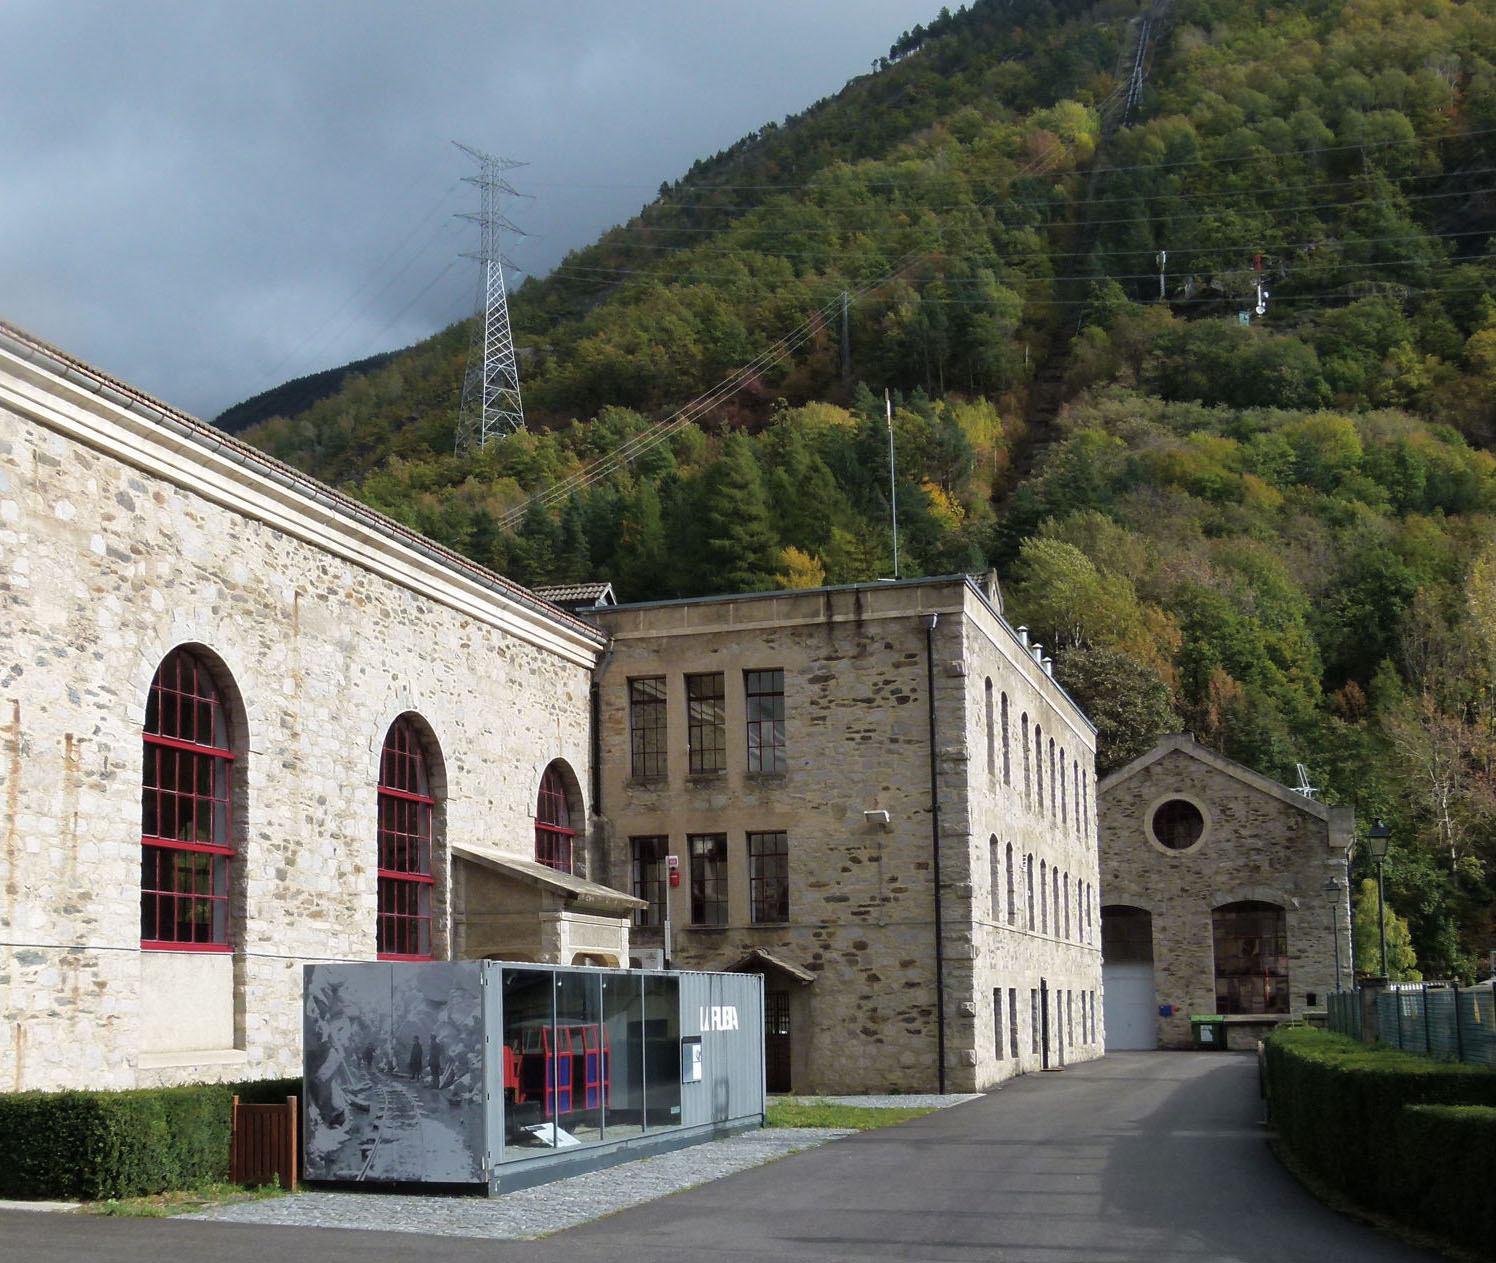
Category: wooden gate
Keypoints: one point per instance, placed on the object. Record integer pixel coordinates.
(264, 1146)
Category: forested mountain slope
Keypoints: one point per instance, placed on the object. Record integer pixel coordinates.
(1274, 527)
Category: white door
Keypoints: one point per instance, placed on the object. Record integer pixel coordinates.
(1131, 1017)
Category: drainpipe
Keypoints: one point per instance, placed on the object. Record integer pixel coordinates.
(930, 620)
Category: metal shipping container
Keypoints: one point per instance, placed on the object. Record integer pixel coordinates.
(506, 1074)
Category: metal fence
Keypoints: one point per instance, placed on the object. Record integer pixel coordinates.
(1438, 1020)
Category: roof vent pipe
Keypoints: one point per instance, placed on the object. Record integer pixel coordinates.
(1049, 667)
(1038, 651)
(1023, 636)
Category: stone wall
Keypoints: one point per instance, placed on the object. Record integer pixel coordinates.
(126, 532)
(862, 917)
(1261, 841)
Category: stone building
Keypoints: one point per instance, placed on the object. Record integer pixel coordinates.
(769, 768)
(1223, 892)
(249, 724)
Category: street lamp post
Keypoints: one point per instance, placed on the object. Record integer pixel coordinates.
(1376, 846)
(1332, 893)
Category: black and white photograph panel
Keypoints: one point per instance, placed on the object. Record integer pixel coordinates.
(394, 1073)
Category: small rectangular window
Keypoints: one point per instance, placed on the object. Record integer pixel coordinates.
(768, 877)
(764, 696)
(647, 856)
(708, 878)
(647, 726)
(706, 723)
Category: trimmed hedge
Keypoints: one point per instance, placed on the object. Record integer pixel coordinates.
(1395, 1132)
(1447, 1154)
(97, 1145)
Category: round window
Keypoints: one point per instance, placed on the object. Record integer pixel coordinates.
(1178, 824)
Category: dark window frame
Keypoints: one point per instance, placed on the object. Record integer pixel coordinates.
(763, 700)
(769, 877)
(706, 723)
(649, 877)
(648, 727)
(709, 892)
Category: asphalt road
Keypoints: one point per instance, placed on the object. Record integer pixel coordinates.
(1140, 1156)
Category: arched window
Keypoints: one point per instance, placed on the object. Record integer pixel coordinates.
(1007, 758)
(553, 831)
(186, 843)
(991, 735)
(1028, 873)
(1251, 957)
(1044, 896)
(406, 807)
(1051, 780)
(994, 865)
(1064, 798)
(1039, 765)
(1012, 909)
(1024, 734)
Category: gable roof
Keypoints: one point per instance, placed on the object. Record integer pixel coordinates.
(1185, 743)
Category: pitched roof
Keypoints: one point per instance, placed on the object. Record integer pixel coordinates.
(1341, 819)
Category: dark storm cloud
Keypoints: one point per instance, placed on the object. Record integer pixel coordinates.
(206, 199)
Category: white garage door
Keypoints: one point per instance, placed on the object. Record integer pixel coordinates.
(1131, 1017)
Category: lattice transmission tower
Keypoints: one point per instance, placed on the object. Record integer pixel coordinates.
(491, 406)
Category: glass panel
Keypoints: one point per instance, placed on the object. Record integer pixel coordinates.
(661, 1040)
(581, 1058)
(624, 1030)
(529, 1099)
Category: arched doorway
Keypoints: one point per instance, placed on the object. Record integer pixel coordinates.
(1127, 978)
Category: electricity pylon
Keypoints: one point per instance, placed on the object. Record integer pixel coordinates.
(491, 406)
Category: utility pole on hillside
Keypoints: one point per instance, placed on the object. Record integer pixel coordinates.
(491, 405)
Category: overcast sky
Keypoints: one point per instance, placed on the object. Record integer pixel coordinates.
(209, 197)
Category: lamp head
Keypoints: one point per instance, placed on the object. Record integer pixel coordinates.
(1377, 839)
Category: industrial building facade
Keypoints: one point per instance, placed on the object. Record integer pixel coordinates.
(249, 725)
(1225, 894)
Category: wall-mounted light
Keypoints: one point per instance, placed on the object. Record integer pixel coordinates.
(879, 818)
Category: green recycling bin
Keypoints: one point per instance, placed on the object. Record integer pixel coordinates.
(1210, 1031)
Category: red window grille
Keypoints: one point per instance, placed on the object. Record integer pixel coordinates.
(406, 882)
(185, 813)
(553, 831)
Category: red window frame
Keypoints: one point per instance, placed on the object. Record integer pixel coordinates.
(186, 816)
(406, 812)
(553, 831)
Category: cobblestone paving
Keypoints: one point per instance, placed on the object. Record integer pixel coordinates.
(537, 1212)
(532, 1212)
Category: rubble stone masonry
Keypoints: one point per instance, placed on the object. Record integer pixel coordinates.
(123, 535)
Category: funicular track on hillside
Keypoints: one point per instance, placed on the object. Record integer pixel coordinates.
(1046, 394)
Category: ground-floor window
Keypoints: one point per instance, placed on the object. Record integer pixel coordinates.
(1251, 958)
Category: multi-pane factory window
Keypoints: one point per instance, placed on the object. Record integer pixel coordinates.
(706, 725)
(647, 861)
(764, 698)
(185, 835)
(647, 726)
(405, 878)
(708, 853)
(769, 876)
(553, 831)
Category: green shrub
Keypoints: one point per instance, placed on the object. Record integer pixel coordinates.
(1337, 1105)
(1446, 1154)
(95, 1145)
